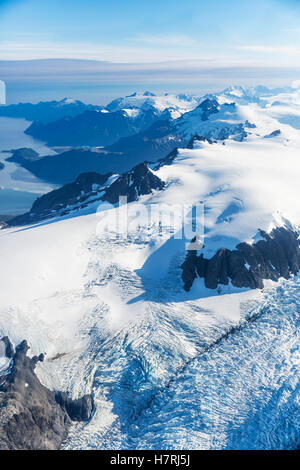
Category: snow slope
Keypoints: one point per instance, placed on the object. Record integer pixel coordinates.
(113, 318)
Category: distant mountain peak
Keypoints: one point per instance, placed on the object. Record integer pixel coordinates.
(235, 90)
(207, 107)
(66, 101)
(47, 111)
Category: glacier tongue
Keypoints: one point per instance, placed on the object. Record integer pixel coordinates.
(234, 388)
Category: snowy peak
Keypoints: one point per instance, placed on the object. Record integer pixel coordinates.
(69, 101)
(137, 182)
(212, 121)
(236, 91)
(148, 100)
(244, 96)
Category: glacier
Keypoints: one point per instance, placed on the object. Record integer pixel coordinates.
(168, 369)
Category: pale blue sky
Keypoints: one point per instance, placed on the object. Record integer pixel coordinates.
(230, 31)
(162, 45)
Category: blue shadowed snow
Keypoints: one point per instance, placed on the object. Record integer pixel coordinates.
(237, 389)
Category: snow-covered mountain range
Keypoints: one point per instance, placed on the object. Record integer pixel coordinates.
(105, 298)
(122, 117)
(147, 129)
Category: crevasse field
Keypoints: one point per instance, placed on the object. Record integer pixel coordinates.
(207, 369)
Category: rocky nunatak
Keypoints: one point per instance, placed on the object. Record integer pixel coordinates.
(275, 255)
(32, 416)
(90, 188)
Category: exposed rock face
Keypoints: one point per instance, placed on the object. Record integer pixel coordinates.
(90, 187)
(69, 194)
(78, 410)
(9, 349)
(189, 269)
(1, 166)
(208, 107)
(31, 416)
(86, 186)
(197, 138)
(139, 181)
(276, 255)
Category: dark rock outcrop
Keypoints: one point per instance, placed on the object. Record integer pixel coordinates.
(31, 416)
(208, 107)
(78, 410)
(189, 269)
(276, 255)
(137, 182)
(9, 349)
(197, 138)
(2, 166)
(86, 186)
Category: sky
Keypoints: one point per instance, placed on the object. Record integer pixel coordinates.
(192, 38)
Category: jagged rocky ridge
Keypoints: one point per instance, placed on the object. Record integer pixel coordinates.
(31, 416)
(58, 202)
(89, 188)
(137, 182)
(275, 255)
